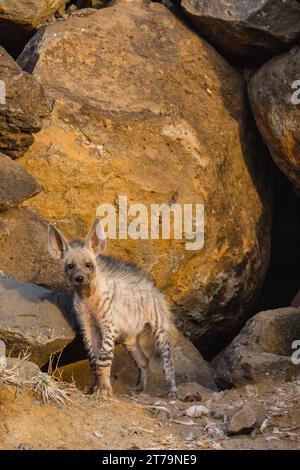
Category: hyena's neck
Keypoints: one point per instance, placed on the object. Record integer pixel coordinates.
(88, 291)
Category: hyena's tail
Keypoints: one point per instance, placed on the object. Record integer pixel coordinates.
(162, 319)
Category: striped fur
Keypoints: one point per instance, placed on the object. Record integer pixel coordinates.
(114, 302)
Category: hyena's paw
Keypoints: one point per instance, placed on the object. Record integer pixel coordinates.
(140, 387)
(104, 390)
(172, 393)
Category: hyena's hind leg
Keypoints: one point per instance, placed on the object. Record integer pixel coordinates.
(164, 348)
(142, 362)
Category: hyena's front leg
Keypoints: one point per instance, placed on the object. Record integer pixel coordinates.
(163, 345)
(104, 362)
(92, 340)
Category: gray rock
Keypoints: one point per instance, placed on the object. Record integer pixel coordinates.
(253, 28)
(16, 184)
(26, 370)
(24, 250)
(31, 321)
(24, 446)
(262, 350)
(246, 418)
(23, 104)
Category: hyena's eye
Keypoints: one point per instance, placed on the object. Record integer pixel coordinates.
(70, 266)
(88, 265)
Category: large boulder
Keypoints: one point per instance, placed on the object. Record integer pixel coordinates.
(30, 321)
(257, 28)
(23, 104)
(24, 249)
(189, 367)
(16, 184)
(263, 349)
(20, 17)
(274, 93)
(137, 117)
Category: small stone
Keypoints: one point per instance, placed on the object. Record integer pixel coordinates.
(251, 390)
(246, 418)
(272, 439)
(24, 446)
(196, 411)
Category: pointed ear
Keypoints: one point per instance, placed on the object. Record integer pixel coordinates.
(95, 239)
(57, 244)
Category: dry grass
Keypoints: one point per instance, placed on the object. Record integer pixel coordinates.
(50, 390)
(47, 386)
(10, 376)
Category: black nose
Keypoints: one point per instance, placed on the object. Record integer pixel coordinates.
(79, 279)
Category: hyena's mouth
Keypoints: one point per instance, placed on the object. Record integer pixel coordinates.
(82, 286)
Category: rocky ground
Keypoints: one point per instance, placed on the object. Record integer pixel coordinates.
(250, 417)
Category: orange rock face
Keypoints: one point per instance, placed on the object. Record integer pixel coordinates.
(147, 109)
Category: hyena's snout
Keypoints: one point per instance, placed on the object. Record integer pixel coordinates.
(79, 279)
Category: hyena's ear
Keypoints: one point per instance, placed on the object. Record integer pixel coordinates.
(95, 239)
(57, 244)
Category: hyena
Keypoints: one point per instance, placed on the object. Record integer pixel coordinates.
(114, 302)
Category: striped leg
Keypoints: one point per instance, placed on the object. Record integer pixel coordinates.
(104, 362)
(92, 340)
(141, 361)
(163, 345)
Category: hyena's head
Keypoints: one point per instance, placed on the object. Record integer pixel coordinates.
(78, 257)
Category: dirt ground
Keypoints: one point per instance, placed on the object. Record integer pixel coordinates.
(148, 422)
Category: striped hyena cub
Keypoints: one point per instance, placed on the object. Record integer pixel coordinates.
(114, 302)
